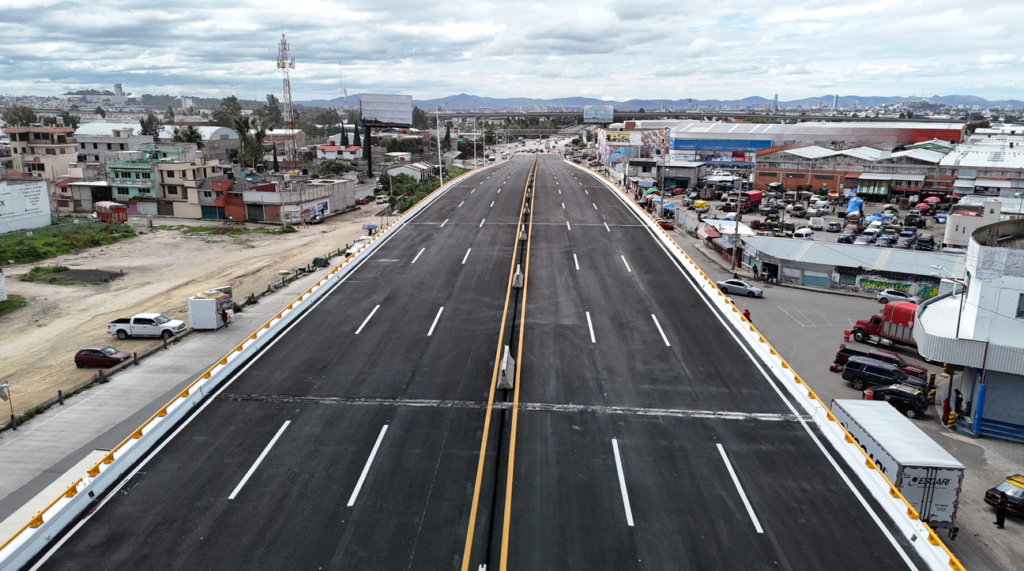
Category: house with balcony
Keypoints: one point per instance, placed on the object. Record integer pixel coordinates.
(980, 330)
(42, 151)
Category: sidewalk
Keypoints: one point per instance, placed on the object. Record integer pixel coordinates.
(99, 418)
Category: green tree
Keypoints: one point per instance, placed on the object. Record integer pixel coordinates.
(19, 116)
(188, 134)
(99, 111)
(250, 135)
(150, 125)
(355, 137)
(332, 167)
(169, 116)
(74, 107)
(229, 109)
(68, 119)
(447, 137)
(276, 166)
(419, 119)
(270, 114)
(344, 137)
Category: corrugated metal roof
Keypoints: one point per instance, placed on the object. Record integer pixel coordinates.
(774, 130)
(992, 152)
(866, 153)
(870, 258)
(811, 152)
(920, 154)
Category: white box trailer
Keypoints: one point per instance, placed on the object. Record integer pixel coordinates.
(928, 477)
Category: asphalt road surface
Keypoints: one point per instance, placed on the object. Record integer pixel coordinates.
(371, 435)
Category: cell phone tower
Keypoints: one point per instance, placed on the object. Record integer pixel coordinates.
(284, 64)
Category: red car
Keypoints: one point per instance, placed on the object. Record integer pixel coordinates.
(665, 224)
(362, 200)
(99, 356)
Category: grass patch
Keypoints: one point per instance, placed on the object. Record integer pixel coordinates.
(12, 303)
(456, 171)
(50, 241)
(232, 231)
(61, 275)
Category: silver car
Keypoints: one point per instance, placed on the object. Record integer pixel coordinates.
(739, 287)
(887, 295)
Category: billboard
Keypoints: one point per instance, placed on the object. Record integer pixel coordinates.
(598, 113)
(385, 110)
(24, 204)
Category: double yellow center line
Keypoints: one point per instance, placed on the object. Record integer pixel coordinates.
(494, 381)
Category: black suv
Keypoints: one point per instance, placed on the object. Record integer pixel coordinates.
(865, 373)
(909, 400)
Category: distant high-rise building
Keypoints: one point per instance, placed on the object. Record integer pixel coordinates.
(776, 102)
(835, 101)
(118, 91)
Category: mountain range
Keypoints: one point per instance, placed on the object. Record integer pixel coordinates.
(465, 101)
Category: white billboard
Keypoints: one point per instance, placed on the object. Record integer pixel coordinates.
(385, 110)
(598, 113)
(23, 205)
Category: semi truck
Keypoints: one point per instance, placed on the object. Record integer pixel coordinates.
(894, 326)
(927, 476)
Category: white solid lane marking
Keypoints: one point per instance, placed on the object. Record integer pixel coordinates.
(366, 468)
(443, 223)
(436, 317)
(567, 225)
(595, 205)
(576, 262)
(460, 204)
(464, 258)
(499, 191)
(606, 227)
(492, 204)
(590, 326)
(256, 464)
(482, 223)
(367, 320)
(627, 264)
(563, 206)
(622, 483)
(588, 193)
(739, 488)
(417, 256)
(559, 191)
(472, 191)
(660, 330)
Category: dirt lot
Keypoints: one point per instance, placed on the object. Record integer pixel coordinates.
(162, 269)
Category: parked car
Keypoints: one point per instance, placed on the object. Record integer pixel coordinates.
(904, 243)
(925, 242)
(771, 217)
(665, 224)
(862, 241)
(804, 234)
(834, 227)
(940, 218)
(1013, 487)
(871, 233)
(146, 325)
(797, 210)
(883, 242)
(739, 287)
(887, 295)
(844, 354)
(865, 373)
(847, 237)
(99, 356)
(363, 200)
(316, 219)
(909, 400)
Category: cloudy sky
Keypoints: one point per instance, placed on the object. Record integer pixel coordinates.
(650, 49)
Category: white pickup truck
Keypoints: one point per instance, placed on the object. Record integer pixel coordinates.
(146, 325)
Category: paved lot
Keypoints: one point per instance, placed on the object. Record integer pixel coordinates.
(807, 327)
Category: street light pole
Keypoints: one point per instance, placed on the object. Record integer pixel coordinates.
(963, 291)
(440, 160)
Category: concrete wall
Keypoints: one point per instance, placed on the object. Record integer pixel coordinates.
(996, 282)
(24, 204)
(960, 227)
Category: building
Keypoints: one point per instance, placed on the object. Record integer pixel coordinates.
(737, 144)
(288, 141)
(963, 219)
(982, 331)
(100, 149)
(420, 171)
(42, 151)
(24, 202)
(292, 201)
(176, 179)
(987, 164)
(329, 151)
(217, 141)
(847, 267)
(861, 170)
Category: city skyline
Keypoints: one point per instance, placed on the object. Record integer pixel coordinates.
(653, 49)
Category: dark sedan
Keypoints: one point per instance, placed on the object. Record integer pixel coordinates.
(99, 356)
(1013, 487)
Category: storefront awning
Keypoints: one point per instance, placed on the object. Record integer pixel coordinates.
(875, 176)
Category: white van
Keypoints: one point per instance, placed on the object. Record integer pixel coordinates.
(381, 199)
(817, 223)
(803, 234)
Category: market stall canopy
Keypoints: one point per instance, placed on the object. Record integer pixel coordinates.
(670, 206)
(369, 226)
(651, 191)
(211, 294)
(774, 185)
(933, 199)
(923, 206)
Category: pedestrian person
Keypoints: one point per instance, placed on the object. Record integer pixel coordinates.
(958, 402)
(746, 315)
(224, 317)
(1001, 510)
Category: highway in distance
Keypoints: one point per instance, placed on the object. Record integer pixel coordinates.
(641, 433)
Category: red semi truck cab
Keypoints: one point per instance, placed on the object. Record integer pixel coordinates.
(895, 325)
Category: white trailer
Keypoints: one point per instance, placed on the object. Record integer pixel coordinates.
(927, 476)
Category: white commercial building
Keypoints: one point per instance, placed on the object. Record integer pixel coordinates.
(982, 331)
